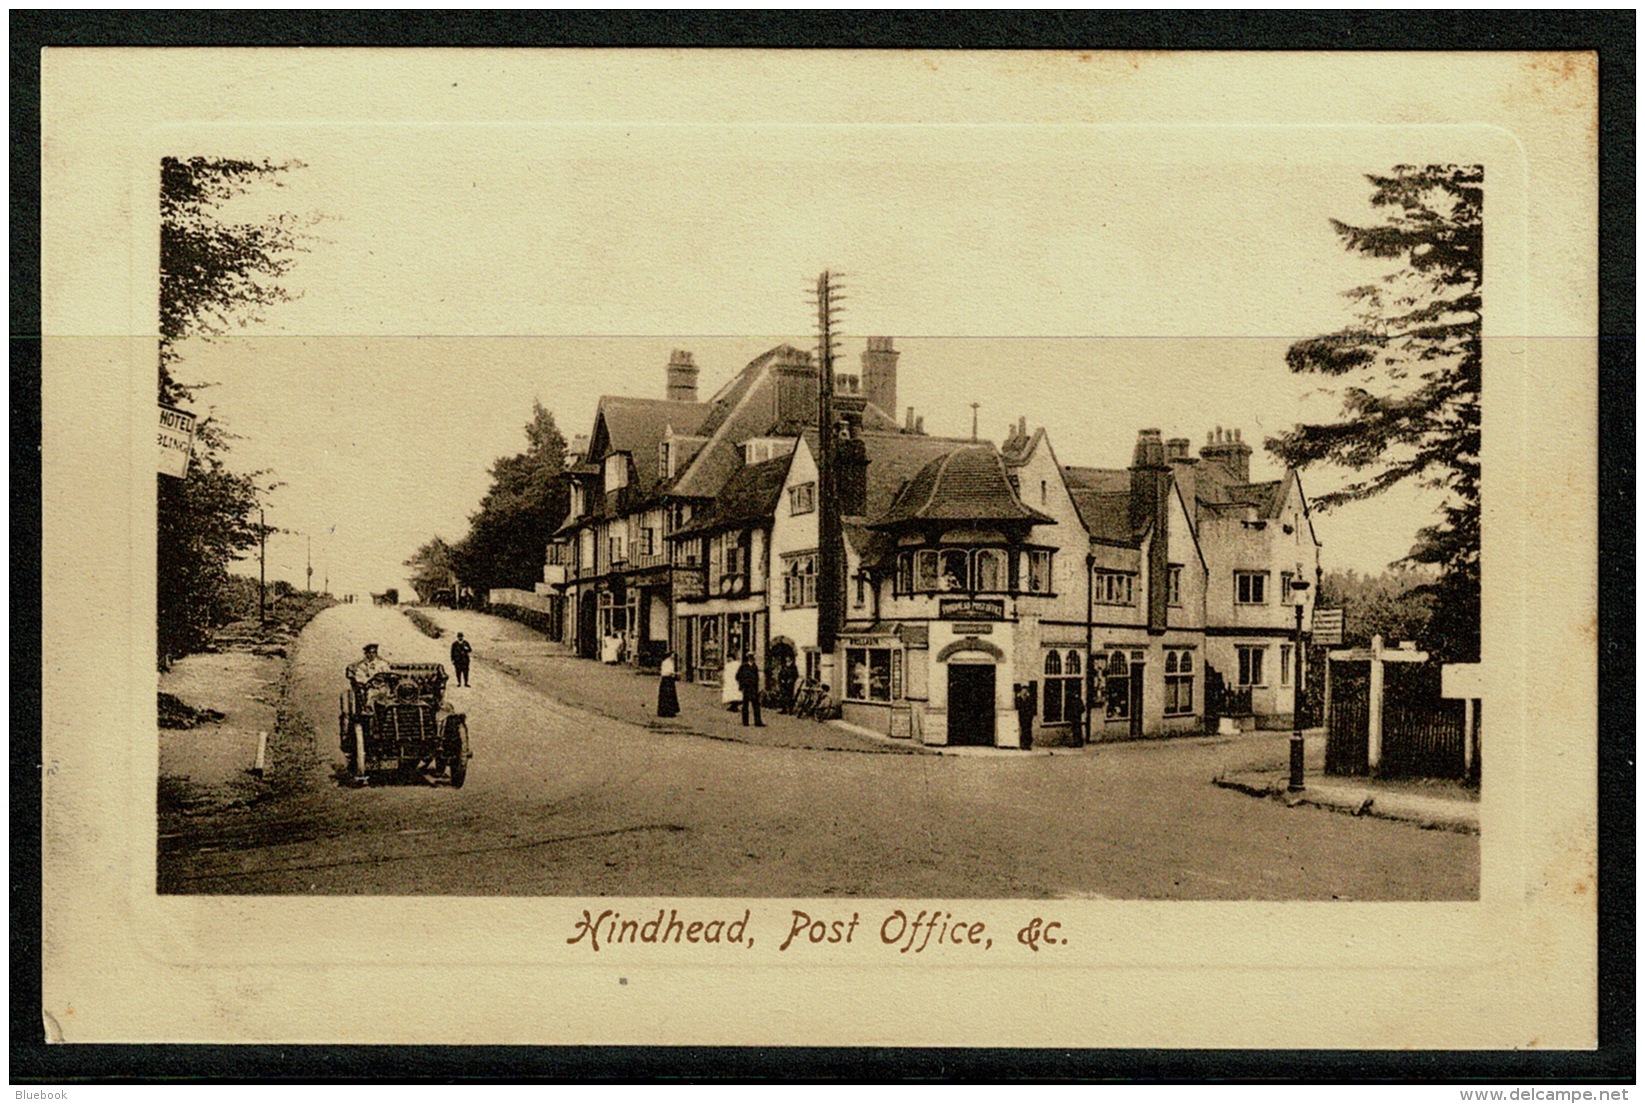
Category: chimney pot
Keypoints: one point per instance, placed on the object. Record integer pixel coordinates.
(909, 423)
(919, 424)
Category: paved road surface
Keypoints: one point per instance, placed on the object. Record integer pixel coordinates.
(566, 800)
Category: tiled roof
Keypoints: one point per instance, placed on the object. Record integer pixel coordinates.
(1215, 488)
(744, 408)
(893, 460)
(1106, 514)
(733, 417)
(1111, 480)
(968, 483)
(636, 426)
(749, 496)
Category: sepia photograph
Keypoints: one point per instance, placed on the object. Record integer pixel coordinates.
(995, 512)
(556, 615)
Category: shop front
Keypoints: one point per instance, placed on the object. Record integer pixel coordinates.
(710, 638)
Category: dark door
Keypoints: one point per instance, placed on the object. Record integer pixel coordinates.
(1136, 700)
(971, 704)
(588, 643)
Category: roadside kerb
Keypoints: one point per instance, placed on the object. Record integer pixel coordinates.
(1359, 799)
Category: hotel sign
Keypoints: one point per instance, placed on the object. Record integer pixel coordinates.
(971, 609)
(176, 441)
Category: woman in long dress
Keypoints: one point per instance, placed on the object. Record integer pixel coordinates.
(668, 698)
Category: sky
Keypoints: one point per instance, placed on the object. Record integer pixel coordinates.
(1093, 280)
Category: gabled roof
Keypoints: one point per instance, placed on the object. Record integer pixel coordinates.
(967, 483)
(1215, 487)
(637, 426)
(748, 497)
(745, 408)
(736, 413)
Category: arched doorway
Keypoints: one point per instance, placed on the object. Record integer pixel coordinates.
(777, 656)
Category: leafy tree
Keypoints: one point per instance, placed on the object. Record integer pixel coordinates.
(1410, 366)
(1395, 605)
(213, 272)
(431, 568)
(527, 501)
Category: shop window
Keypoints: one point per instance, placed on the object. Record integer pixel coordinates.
(1062, 688)
(1251, 588)
(710, 655)
(990, 569)
(1179, 682)
(1117, 687)
(1250, 664)
(868, 674)
(1114, 588)
(1039, 572)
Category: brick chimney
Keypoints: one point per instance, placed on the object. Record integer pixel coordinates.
(851, 460)
(795, 373)
(1150, 507)
(1229, 451)
(1182, 463)
(879, 374)
(682, 377)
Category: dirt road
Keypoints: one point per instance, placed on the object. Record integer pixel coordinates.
(567, 800)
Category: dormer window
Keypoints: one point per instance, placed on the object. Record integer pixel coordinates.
(663, 457)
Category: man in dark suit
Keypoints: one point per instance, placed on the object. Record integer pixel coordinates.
(748, 681)
(460, 651)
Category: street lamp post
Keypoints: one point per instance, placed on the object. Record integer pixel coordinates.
(1299, 598)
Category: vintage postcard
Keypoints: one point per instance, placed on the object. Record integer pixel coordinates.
(859, 548)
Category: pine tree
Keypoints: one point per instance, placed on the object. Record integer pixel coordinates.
(1410, 366)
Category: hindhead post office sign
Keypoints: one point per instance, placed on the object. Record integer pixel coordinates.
(971, 609)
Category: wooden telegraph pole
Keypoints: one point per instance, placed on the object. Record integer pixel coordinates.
(262, 568)
(830, 566)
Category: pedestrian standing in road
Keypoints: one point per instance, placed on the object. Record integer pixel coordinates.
(787, 679)
(668, 698)
(1025, 715)
(460, 651)
(748, 681)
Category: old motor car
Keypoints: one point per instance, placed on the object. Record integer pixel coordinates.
(400, 723)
